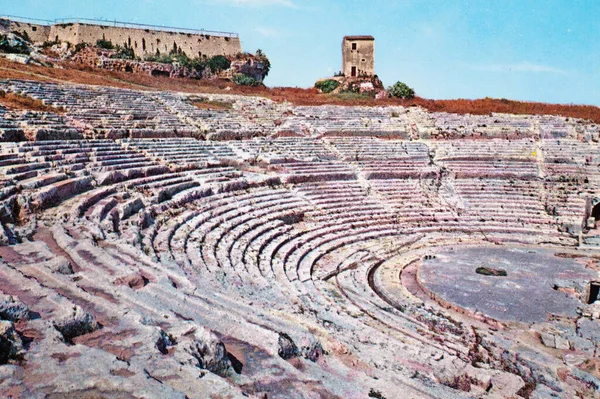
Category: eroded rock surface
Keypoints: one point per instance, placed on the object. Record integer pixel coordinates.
(299, 252)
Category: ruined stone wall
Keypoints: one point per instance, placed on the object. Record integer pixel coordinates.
(146, 41)
(36, 32)
(362, 58)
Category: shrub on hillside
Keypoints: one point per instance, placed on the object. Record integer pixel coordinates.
(327, 86)
(9, 46)
(199, 64)
(244, 80)
(262, 58)
(218, 63)
(160, 58)
(78, 47)
(105, 44)
(401, 90)
(124, 53)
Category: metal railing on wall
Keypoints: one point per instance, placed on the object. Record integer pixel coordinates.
(27, 20)
(119, 24)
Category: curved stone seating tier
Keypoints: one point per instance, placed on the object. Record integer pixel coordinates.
(418, 169)
(406, 195)
(283, 149)
(299, 172)
(359, 149)
(568, 199)
(488, 168)
(181, 152)
(571, 160)
(501, 198)
(154, 238)
(483, 126)
(102, 112)
(482, 149)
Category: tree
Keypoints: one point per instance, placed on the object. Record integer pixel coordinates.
(262, 58)
(401, 90)
(218, 63)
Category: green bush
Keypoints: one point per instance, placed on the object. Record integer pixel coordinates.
(6, 47)
(327, 86)
(199, 64)
(218, 63)
(78, 47)
(160, 58)
(401, 90)
(105, 44)
(244, 80)
(262, 58)
(352, 96)
(124, 53)
(181, 59)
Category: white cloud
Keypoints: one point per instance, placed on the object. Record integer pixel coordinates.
(257, 3)
(520, 67)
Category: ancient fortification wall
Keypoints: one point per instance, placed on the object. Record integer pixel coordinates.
(147, 41)
(38, 33)
(143, 41)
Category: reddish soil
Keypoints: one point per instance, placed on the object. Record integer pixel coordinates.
(86, 75)
(17, 101)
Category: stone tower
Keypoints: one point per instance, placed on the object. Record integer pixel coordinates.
(358, 56)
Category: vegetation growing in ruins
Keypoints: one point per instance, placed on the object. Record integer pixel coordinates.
(351, 96)
(18, 101)
(244, 80)
(375, 394)
(262, 58)
(124, 53)
(105, 44)
(488, 271)
(49, 43)
(80, 46)
(401, 90)
(160, 58)
(213, 105)
(215, 64)
(327, 86)
(218, 63)
(297, 96)
(13, 48)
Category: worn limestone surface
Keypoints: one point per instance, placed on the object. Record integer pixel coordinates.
(538, 283)
(266, 250)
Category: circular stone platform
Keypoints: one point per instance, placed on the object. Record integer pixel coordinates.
(534, 287)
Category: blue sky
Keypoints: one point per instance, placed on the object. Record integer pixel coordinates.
(537, 50)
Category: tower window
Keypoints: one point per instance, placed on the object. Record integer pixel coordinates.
(353, 46)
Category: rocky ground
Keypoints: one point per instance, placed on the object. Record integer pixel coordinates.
(160, 245)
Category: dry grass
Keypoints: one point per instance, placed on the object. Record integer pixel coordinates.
(87, 75)
(488, 105)
(204, 103)
(17, 101)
